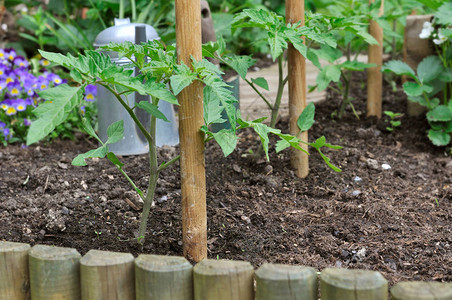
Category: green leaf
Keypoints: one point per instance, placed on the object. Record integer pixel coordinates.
(429, 68)
(446, 75)
(306, 118)
(100, 152)
(115, 132)
(414, 89)
(356, 65)
(328, 53)
(152, 110)
(439, 137)
(226, 139)
(326, 75)
(277, 44)
(260, 81)
(61, 101)
(263, 130)
(240, 64)
(440, 113)
(444, 14)
(398, 67)
(212, 108)
(114, 159)
(89, 129)
(160, 91)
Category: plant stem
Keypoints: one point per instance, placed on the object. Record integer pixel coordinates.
(134, 10)
(281, 82)
(153, 176)
(146, 134)
(345, 99)
(121, 9)
(168, 163)
(269, 105)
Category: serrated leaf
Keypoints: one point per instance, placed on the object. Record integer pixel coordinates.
(306, 118)
(62, 100)
(115, 132)
(260, 81)
(100, 152)
(152, 110)
(240, 64)
(399, 68)
(226, 139)
(413, 89)
(89, 129)
(263, 130)
(446, 75)
(439, 137)
(328, 53)
(440, 113)
(429, 68)
(114, 159)
(326, 75)
(160, 91)
(212, 108)
(444, 14)
(277, 44)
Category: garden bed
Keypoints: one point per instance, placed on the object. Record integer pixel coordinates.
(396, 221)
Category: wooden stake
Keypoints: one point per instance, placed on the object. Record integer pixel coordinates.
(417, 290)
(107, 275)
(14, 279)
(374, 75)
(193, 178)
(297, 90)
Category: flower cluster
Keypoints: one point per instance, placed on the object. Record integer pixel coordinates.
(19, 87)
(428, 31)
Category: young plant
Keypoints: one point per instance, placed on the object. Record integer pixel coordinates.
(158, 68)
(393, 122)
(433, 77)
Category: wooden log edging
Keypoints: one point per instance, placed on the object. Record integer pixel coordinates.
(46, 272)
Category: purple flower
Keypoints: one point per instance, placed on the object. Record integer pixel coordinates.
(10, 111)
(20, 62)
(2, 54)
(19, 104)
(6, 133)
(27, 122)
(44, 62)
(55, 78)
(2, 125)
(82, 110)
(10, 77)
(3, 70)
(90, 93)
(42, 83)
(10, 54)
(14, 88)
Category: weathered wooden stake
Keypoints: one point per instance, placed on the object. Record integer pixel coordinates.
(418, 290)
(163, 277)
(193, 178)
(297, 90)
(223, 280)
(274, 281)
(14, 279)
(374, 75)
(54, 273)
(344, 284)
(107, 275)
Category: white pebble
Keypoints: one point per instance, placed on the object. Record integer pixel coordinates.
(386, 166)
(357, 179)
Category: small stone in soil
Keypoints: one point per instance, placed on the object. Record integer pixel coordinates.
(356, 193)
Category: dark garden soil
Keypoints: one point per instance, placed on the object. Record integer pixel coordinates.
(397, 221)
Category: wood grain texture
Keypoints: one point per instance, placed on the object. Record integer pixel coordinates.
(276, 281)
(417, 290)
(14, 278)
(374, 75)
(107, 275)
(54, 273)
(223, 280)
(296, 65)
(163, 277)
(344, 284)
(191, 112)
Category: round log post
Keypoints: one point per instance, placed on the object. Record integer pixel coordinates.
(14, 278)
(107, 275)
(417, 290)
(54, 273)
(223, 280)
(343, 284)
(163, 277)
(275, 281)
(191, 111)
(374, 75)
(296, 65)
